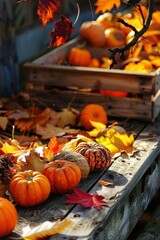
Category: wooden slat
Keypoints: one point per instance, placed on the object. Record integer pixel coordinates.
(132, 107)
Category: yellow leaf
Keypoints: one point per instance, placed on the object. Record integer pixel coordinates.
(45, 229)
(104, 5)
(117, 142)
(7, 148)
(98, 127)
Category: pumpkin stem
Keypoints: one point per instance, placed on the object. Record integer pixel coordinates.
(59, 165)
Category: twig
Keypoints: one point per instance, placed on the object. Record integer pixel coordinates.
(137, 35)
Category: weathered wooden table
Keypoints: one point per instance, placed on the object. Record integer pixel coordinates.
(135, 180)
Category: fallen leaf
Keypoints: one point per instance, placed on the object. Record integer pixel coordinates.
(117, 142)
(105, 183)
(3, 123)
(85, 199)
(45, 229)
(52, 148)
(67, 117)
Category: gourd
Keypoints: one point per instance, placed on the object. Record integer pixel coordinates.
(97, 155)
(8, 217)
(63, 176)
(79, 57)
(93, 33)
(29, 188)
(76, 158)
(92, 112)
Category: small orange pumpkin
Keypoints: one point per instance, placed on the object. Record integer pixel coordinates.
(93, 33)
(79, 57)
(29, 188)
(93, 112)
(64, 176)
(8, 217)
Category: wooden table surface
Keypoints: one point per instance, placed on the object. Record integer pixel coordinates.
(135, 179)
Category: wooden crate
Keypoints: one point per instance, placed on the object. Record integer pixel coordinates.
(60, 85)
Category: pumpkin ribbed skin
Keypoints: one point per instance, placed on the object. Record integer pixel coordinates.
(98, 156)
(64, 176)
(79, 57)
(8, 217)
(29, 188)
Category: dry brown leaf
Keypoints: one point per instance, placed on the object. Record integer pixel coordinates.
(3, 123)
(45, 229)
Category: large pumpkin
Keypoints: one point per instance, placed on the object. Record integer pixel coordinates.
(8, 217)
(63, 175)
(92, 112)
(29, 188)
(97, 155)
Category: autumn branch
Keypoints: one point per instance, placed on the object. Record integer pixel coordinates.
(137, 34)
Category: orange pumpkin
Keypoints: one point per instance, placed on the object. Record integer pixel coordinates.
(93, 112)
(8, 217)
(29, 188)
(64, 176)
(95, 63)
(93, 33)
(114, 37)
(79, 57)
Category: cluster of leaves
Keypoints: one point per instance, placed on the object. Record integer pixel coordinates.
(49, 10)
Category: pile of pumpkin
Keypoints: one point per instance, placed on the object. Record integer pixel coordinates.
(30, 186)
(107, 32)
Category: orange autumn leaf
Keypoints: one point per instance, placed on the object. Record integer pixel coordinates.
(52, 148)
(33, 117)
(104, 5)
(9, 148)
(47, 10)
(117, 142)
(105, 183)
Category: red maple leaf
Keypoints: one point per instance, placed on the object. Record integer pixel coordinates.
(46, 9)
(62, 31)
(85, 199)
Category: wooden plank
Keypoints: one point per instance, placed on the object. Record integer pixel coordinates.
(126, 173)
(89, 78)
(119, 107)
